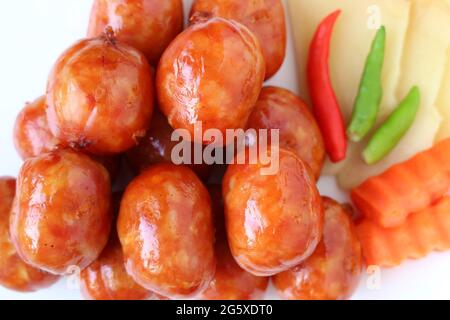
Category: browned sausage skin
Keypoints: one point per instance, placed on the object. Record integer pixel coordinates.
(333, 271)
(14, 273)
(156, 147)
(166, 231)
(274, 222)
(100, 96)
(265, 18)
(63, 213)
(279, 108)
(107, 279)
(192, 81)
(230, 281)
(32, 135)
(148, 25)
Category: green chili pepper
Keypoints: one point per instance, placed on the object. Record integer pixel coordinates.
(370, 92)
(393, 129)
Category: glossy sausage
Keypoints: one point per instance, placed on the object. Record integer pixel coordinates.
(211, 73)
(166, 231)
(156, 147)
(274, 221)
(63, 213)
(230, 281)
(100, 96)
(107, 279)
(14, 273)
(279, 108)
(147, 25)
(32, 135)
(265, 18)
(334, 270)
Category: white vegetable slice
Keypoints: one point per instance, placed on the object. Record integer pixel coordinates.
(423, 65)
(419, 137)
(350, 45)
(351, 42)
(426, 49)
(443, 102)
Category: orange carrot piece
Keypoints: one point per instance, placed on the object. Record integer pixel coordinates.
(424, 231)
(405, 188)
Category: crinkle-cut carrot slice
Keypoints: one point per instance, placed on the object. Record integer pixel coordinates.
(424, 231)
(405, 188)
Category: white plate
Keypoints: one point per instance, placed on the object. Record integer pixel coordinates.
(33, 34)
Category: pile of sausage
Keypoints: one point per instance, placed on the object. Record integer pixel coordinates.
(112, 103)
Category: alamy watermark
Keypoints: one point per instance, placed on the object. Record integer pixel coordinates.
(373, 281)
(374, 20)
(237, 146)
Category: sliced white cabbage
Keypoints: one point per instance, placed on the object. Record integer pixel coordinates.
(419, 137)
(350, 45)
(351, 42)
(423, 64)
(443, 102)
(418, 35)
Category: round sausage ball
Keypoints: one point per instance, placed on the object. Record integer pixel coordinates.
(32, 135)
(100, 96)
(230, 281)
(278, 108)
(166, 230)
(107, 279)
(274, 221)
(211, 74)
(147, 25)
(334, 270)
(14, 273)
(63, 213)
(156, 147)
(265, 18)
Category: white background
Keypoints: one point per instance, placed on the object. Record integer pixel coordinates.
(34, 32)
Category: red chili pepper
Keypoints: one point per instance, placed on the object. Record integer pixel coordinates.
(326, 108)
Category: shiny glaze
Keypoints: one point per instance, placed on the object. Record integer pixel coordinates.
(32, 135)
(334, 269)
(230, 281)
(274, 222)
(63, 213)
(166, 231)
(265, 18)
(156, 147)
(107, 279)
(279, 108)
(14, 273)
(147, 25)
(100, 96)
(213, 73)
